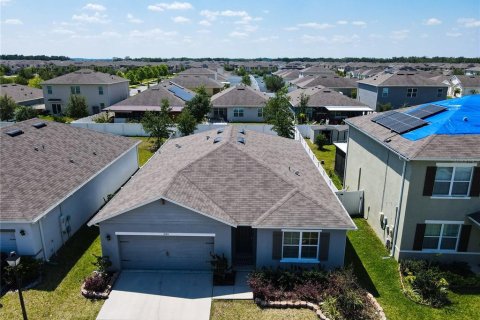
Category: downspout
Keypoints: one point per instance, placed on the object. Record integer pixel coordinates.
(397, 213)
(43, 240)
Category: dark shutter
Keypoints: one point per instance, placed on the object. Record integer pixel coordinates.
(324, 246)
(419, 233)
(429, 181)
(277, 245)
(464, 236)
(475, 188)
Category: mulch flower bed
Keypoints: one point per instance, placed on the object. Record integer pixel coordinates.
(92, 294)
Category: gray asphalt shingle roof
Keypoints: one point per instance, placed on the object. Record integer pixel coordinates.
(20, 93)
(239, 184)
(86, 76)
(239, 95)
(327, 81)
(401, 79)
(193, 82)
(321, 97)
(36, 171)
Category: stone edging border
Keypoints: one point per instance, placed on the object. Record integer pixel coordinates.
(315, 307)
(404, 291)
(99, 295)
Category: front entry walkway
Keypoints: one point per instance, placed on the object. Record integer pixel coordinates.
(155, 295)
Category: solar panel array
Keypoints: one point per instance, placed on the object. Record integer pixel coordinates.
(399, 122)
(181, 93)
(427, 111)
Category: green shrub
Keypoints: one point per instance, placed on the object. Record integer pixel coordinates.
(102, 264)
(28, 270)
(321, 141)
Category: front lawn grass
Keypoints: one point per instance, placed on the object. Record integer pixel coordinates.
(144, 149)
(380, 276)
(58, 295)
(248, 310)
(328, 156)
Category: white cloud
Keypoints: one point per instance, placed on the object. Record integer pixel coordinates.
(359, 23)
(266, 39)
(306, 38)
(110, 34)
(238, 34)
(250, 28)
(342, 22)
(291, 28)
(375, 36)
(203, 31)
(152, 33)
(180, 19)
(94, 7)
(399, 34)
(341, 39)
(13, 21)
(4, 2)
(469, 22)
(170, 6)
(453, 34)
(315, 25)
(266, 11)
(432, 22)
(212, 15)
(132, 19)
(97, 17)
(63, 31)
(205, 23)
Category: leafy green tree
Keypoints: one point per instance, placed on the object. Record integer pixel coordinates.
(186, 122)
(35, 82)
(302, 107)
(158, 124)
(456, 92)
(321, 141)
(76, 107)
(384, 107)
(277, 112)
(24, 113)
(200, 105)
(5, 80)
(274, 83)
(21, 80)
(241, 72)
(7, 108)
(246, 80)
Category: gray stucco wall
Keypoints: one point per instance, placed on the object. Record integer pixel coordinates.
(250, 114)
(367, 94)
(265, 242)
(80, 207)
(158, 217)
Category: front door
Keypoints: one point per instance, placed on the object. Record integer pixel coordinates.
(244, 246)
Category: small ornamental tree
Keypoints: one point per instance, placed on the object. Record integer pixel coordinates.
(158, 124)
(246, 80)
(200, 105)
(7, 108)
(302, 107)
(277, 112)
(24, 113)
(76, 107)
(35, 82)
(186, 122)
(321, 141)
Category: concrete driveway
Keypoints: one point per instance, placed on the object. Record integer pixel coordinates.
(155, 295)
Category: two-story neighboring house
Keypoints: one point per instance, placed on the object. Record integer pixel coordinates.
(399, 90)
(419, 169)
(101, 90)
(465, 84)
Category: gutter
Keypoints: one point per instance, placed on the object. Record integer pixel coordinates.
(397, 213)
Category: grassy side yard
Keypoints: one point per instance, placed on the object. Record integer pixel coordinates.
(144, 149)
(328, 156)
(248, 310)
(51, 118)
(58, 295)
(380, 276)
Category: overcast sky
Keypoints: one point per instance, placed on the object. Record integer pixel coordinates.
(241, 28)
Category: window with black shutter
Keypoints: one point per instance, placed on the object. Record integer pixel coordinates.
(419, 233)
(277, 245)
(324, 246)
(429, 181)
(464, 237)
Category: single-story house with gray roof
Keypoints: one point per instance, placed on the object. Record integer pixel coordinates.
(54, 178)
(256, 198)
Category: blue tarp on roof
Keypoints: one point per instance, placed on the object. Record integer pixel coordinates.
(461, 117)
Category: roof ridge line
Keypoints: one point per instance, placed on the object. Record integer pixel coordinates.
(277, 205)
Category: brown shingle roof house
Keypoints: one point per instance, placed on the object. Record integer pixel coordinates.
(54, 177)
(221, 188)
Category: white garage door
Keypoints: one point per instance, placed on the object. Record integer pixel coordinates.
(165, 252)
(7, 240)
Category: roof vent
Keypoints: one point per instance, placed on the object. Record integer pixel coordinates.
(465, 119)
(241, 140)
(14, 132)
(177, 145)
(94, 153)
(39, 125)
(71, 161)
(219, 131)
(217, 140)
(242, 131)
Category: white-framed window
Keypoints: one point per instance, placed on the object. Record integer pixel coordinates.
(75, 89)
(102, 105)
(441, 236)
(412, 92)
(452, 181)
(238, 112)
(100, 91)
(56, 108)
(439, 92)
(260, 112)
(385, 92)
(49, 90)
(300, 245)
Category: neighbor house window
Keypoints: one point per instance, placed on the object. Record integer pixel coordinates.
(452, 181)
(100, 91)
(439, 92)
(412, 92)
(300, 245)
(385, 92)
(75, 89)
(260, 112)
(49, 89)
(56, 108)
(238, 112)
(102, 105)
(441, 236)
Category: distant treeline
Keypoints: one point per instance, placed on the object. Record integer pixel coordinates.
(39, 57)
